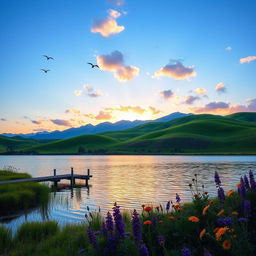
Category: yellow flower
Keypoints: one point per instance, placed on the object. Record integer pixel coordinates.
(220, 233)
(193, 219)
(202, 233)
(220, 212)
(230, 193)
(226, 245)
(206, 208)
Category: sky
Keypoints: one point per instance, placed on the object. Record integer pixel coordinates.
(154, 58)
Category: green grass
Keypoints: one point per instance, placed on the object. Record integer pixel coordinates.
(18, 197)
(244, 116)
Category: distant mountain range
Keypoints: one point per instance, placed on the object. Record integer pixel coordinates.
(91, 129)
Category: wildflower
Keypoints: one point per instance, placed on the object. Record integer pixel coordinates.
(242, 219)
(206, 252)
(193, 219)
(148, 209)
(230, 193)
(252, 181)
(216, 230)
(109, 222)
(144, 250)
(185, 252)
(220, 212)
(246, 182)
(171, 217)
(155, 221)
(234, 213)
(246, 207)
(202, 233)
(147, 222)
(143, 206)
(168, 206)
(161, 240)
(195, 195)
(104, 230)
(176, 206)
(221, 194)
(119, 222)
(217, 179)
(157, 207)
(205, 209)
(177, 198)
(92, 237)
(206, 193)
(160, 221)
(224, 222)
(221, 232)
(136, 226)
(226, 245)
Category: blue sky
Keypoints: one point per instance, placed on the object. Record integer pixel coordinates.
(153, 55)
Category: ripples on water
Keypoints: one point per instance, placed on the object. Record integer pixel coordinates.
(128, 180)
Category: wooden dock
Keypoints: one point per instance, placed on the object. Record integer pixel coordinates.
(55, 178)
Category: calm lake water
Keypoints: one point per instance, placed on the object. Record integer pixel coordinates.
(128, 180)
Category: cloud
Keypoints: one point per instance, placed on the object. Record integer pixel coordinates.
(247, 59)
(220, 87)
(251, 107)
(200, 91)
(177, 71)
(102, 115)
(154, 111)
(212, 107)
(94, 94)
(78, 92)
(3, 119)
(135, 109)
(107, 26)
(73, 111)
(61, 122)
(37, 121)
(116, 2)
(166, 94)
(114, 62)
(228, 48)
(190, 99)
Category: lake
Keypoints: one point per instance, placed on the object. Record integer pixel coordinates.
(128, 180)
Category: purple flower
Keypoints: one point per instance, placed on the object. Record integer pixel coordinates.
(92, 238)
(224, 222)
(242, 219)
(177, 198)
(168, 206)
(241, 188)
(154, 221)
(246, 182)
(246, 208)
(136, 226)
(144, 250)
(252, 181)
(185, 252)
(104, 230)
(217, 179)
(119, 224)
(206, 252)
(221, 194)
(161, 240)
(109, 222)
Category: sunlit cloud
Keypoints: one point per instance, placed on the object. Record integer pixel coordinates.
(114, 62)
(212, 107)
(107, 26)
(116, 2)
(78, 92)
(61, 122)
(247, 59)
(154, 111)
(200, 91)
(37, 121)
(102, 115)
(3, 119)
(135, 109)
(189, 100)
(73, 111)
(220, 87)
(228, 48)
(177, 71)
(167, 94)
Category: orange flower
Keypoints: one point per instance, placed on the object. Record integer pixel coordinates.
(143, 205)
(195, 195)
(234, 213)
(238, 184)
(226, 245)
(220, 212)
(193, 219)
(147, 222)
(220, 233)
(205, 192)
(230, 193)
(202, 233)
(215, 230)
(148, 209)
(206, 208)
(171, 217)
(160, 221)
(177, 205)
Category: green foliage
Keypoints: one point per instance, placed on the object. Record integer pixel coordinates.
(5, 239)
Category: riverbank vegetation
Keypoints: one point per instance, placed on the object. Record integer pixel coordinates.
(224, 226)
(19, 197)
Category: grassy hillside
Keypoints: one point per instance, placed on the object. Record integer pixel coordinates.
(244, 116)
(195, 134)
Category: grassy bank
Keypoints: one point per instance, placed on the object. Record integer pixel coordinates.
(224, 226)
(15, 198)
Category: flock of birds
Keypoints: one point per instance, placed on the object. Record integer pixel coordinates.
(51, 58)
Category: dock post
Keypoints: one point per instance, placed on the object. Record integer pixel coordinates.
(55, 181)
(72, 180)
(88, 174)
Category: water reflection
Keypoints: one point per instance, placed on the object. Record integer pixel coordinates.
(128, 180)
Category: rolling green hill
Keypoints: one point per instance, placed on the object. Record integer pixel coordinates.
(195, 134)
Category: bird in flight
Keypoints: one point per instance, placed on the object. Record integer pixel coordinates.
(48, 57)
(45, 70)
(93, 65)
